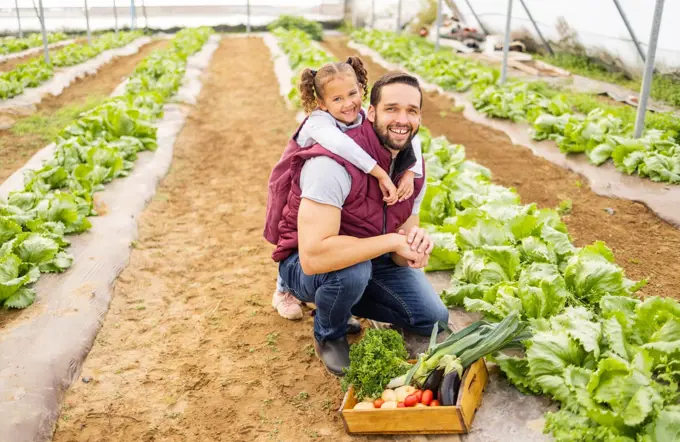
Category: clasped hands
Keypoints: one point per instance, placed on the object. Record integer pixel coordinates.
(416, 248)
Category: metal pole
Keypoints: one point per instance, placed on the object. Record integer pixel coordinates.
(439, 24)
(44, 32)
(21, 32)
(506, 43)
(649, 69)
(630, 30)
(373, 14)
(115, 17)
(354, 14)
(87, 21)
(481, 25)
(399, 17)
(248, 16)
(132, 15)
(538, 30)
(146, 17)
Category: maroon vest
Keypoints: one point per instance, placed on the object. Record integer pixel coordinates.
(364, 214)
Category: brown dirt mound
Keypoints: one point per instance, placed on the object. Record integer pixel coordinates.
(9, 65)
(645, 246)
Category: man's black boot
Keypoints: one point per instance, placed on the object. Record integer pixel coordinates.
(353, 326)
(334, 355)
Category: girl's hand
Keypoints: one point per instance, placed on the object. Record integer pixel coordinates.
(388, 189)
(405, 189)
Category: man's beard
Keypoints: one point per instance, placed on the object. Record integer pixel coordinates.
(383, 134)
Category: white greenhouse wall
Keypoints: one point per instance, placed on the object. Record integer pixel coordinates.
(597, 23)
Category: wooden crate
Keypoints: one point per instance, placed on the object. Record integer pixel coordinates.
(424, 420)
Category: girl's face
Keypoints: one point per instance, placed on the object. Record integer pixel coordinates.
(342, 98)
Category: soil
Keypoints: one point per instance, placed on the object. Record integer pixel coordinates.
(14, 62)
(644, 245)
(103, 82)
(11, 64)
(191, 349)
(16, 149)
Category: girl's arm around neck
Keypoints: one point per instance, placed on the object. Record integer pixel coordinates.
(322, 128)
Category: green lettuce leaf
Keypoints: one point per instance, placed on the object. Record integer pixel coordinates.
(36, 249)
(14, 275)
(8, 229)
(542, 291)
(591, 274)
(58, 264)
(445, 254)
(22, 298)
(666, 426)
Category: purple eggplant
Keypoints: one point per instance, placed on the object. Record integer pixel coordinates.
(448, 390)
(434, 379)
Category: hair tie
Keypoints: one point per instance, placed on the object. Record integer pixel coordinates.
(313, 72)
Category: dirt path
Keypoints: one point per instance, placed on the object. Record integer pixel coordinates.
(190, 349)
(11, 64)
(644, 245)
(17, 146)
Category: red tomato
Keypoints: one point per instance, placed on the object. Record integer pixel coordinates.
(434, 403)
(427, 397)
(378, 403)
(419, 394)
(401, 405)
(410, 400)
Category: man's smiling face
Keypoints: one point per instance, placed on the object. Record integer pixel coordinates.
(396, 117)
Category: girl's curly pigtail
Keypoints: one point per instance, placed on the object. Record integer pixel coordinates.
(307, 90)
(360, 72)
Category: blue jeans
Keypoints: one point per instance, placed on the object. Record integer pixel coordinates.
(377, 289)
(280, 285)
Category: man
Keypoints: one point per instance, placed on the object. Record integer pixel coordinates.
(342, 248)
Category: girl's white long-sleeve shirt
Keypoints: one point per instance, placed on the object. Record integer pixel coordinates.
(322, 128)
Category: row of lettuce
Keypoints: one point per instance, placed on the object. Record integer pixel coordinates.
(101, 145)
(37, 71)
(578, 123)
(11, 45)
(611, 360)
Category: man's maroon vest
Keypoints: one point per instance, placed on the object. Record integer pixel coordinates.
(364, 213)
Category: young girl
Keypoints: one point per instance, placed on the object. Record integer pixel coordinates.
(332, 96)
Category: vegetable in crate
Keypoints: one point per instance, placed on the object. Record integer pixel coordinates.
(460, 350)
(379, 357)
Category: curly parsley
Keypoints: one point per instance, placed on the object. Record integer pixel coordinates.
(374, 361)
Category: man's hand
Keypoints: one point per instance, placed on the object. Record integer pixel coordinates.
(323, 249)
(419, 242)
(405, 252)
